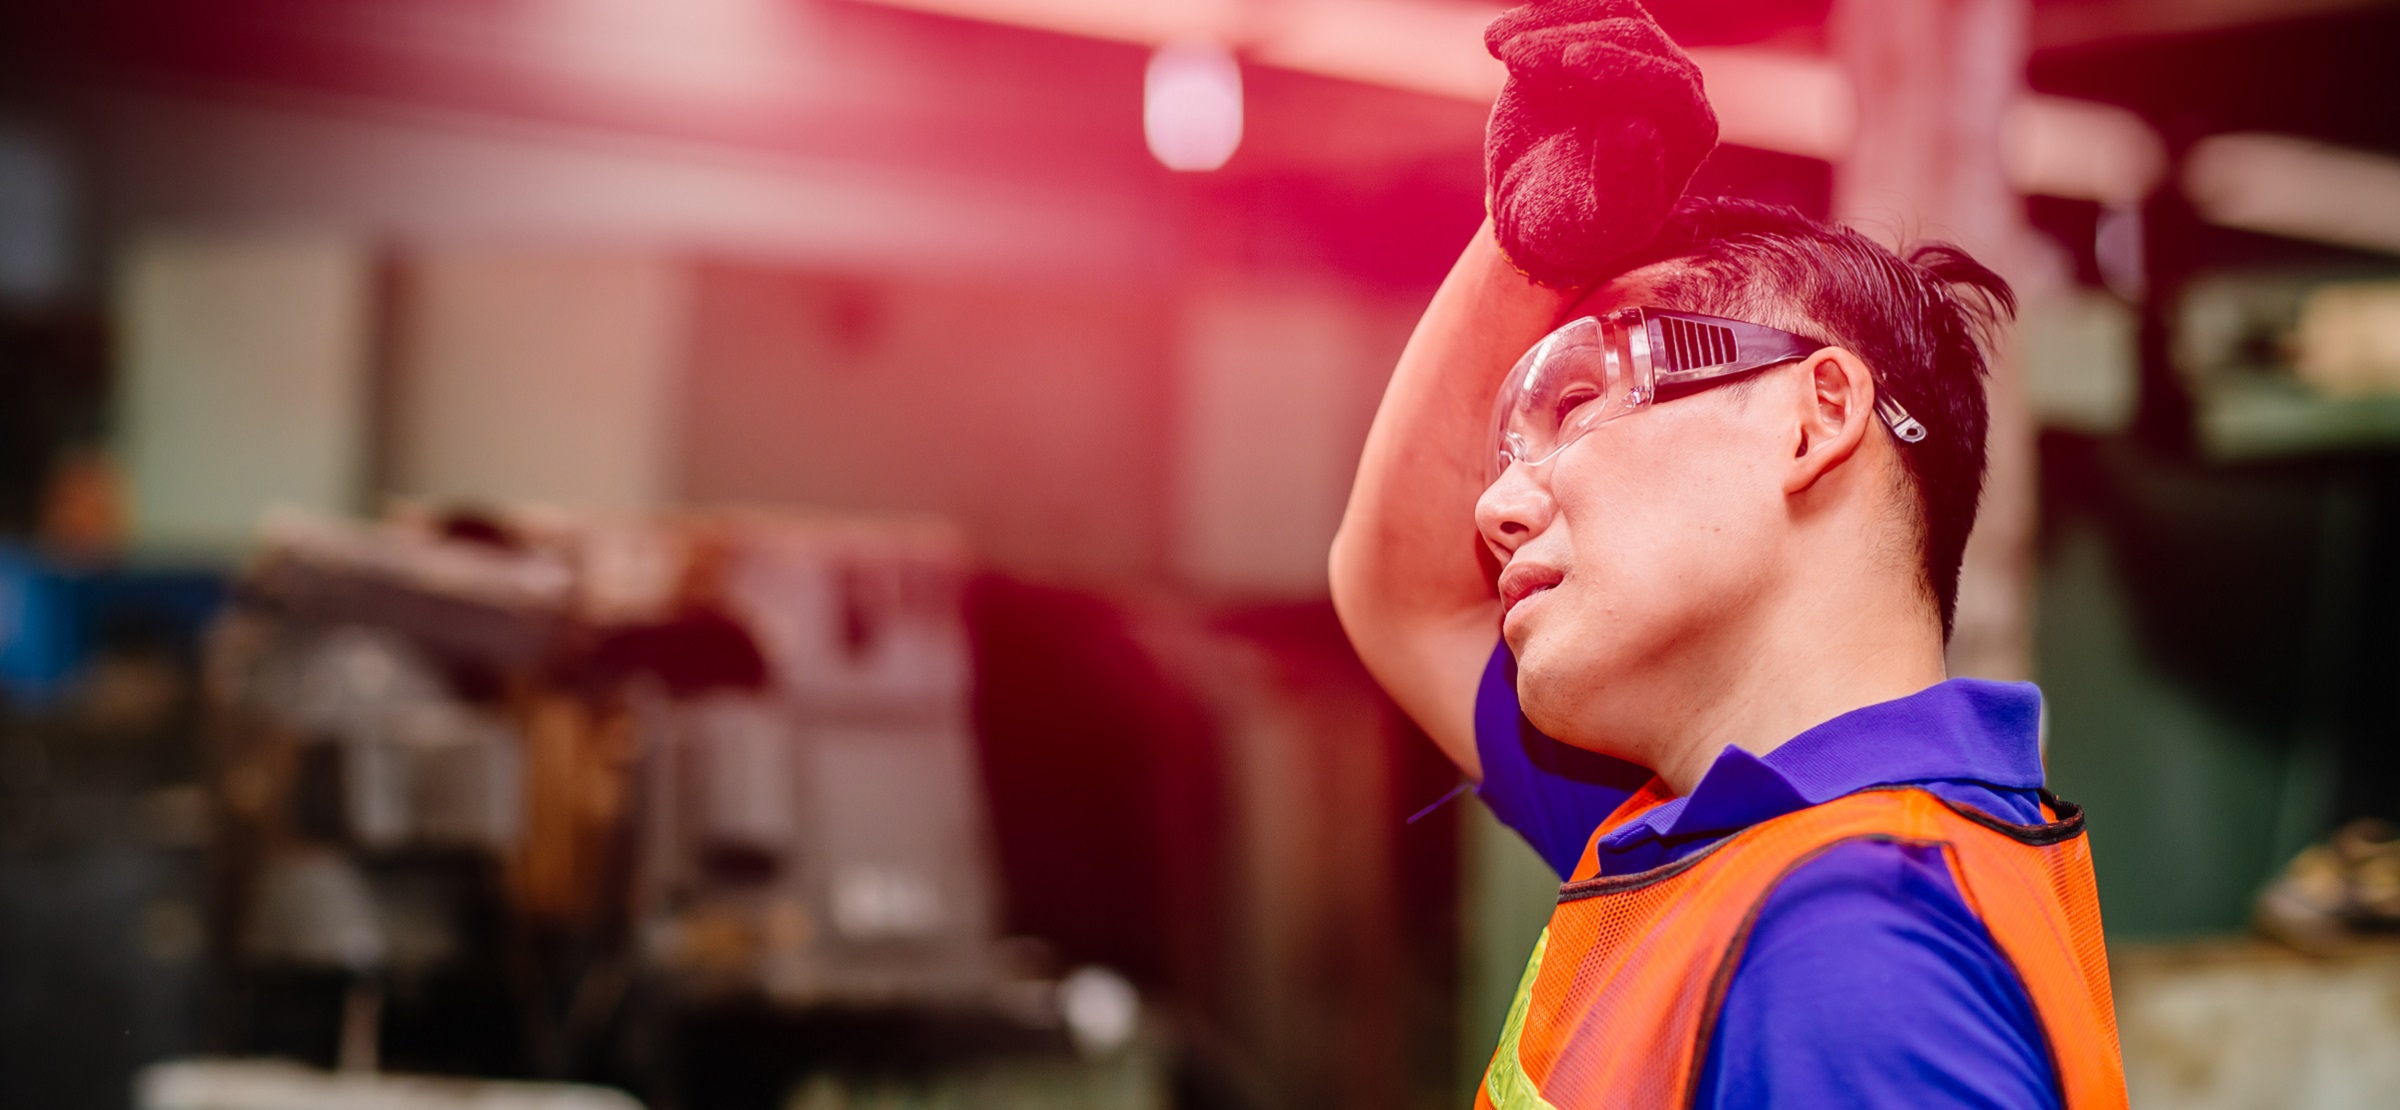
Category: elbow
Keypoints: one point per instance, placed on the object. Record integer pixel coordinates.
(1346, 577)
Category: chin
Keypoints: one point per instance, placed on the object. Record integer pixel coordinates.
(1560, 691)
(1554, 701)
(1560, 651)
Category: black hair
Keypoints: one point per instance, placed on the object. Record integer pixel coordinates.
(1923, 324)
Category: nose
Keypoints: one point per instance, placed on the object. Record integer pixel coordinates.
(1512, 511)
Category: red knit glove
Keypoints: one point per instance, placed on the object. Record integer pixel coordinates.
(1593, 138)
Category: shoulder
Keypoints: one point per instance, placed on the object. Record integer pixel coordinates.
(1866, 980)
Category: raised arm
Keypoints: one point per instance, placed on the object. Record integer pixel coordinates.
(1593, 136)
(1408, 583)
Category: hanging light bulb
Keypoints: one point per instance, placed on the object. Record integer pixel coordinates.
(1192, 106)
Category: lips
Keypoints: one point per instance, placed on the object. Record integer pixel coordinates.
(1523, 580)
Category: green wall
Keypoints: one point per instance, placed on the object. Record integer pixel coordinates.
(2178, 794)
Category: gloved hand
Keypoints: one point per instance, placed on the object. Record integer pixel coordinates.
(1593, 138)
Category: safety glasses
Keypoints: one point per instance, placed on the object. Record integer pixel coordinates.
(1596, 369)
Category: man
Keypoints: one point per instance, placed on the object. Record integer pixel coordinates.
(1714, 517)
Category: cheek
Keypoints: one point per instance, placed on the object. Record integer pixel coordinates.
(1667, 523)
(1627, 510)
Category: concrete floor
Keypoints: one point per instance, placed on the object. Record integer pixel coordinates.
(2237, 1024)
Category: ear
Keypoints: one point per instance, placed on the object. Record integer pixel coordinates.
(1837, 407)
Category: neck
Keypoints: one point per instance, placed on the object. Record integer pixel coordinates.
(1827, 651)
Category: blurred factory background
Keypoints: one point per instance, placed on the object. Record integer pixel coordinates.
(770, 553)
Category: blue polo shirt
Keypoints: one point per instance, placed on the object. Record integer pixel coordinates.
(1866, 981)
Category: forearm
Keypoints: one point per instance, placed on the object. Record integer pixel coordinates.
(1405, 572)
(1407, 542)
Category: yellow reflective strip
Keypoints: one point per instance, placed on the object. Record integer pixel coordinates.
(1506, 1082)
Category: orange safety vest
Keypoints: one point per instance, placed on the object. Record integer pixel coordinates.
(1619, 1001)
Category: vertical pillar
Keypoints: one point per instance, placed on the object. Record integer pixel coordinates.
(1933, 79)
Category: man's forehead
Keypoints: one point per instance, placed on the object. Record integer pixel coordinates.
(1637, 287)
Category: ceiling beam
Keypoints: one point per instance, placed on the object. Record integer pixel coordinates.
(2060, 24)
(1791, 103)
(2296, 188)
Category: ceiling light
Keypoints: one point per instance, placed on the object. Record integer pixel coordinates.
(1192, 106)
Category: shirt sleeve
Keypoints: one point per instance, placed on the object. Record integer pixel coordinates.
(1868, 982)
(1552, 794)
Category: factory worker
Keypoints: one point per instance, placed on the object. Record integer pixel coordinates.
(1658, 535)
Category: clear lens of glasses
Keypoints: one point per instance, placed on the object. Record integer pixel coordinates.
(1581, 376)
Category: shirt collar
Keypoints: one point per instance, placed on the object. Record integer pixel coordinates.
(1964, 729)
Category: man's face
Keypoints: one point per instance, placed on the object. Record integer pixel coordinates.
(1632, 559)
